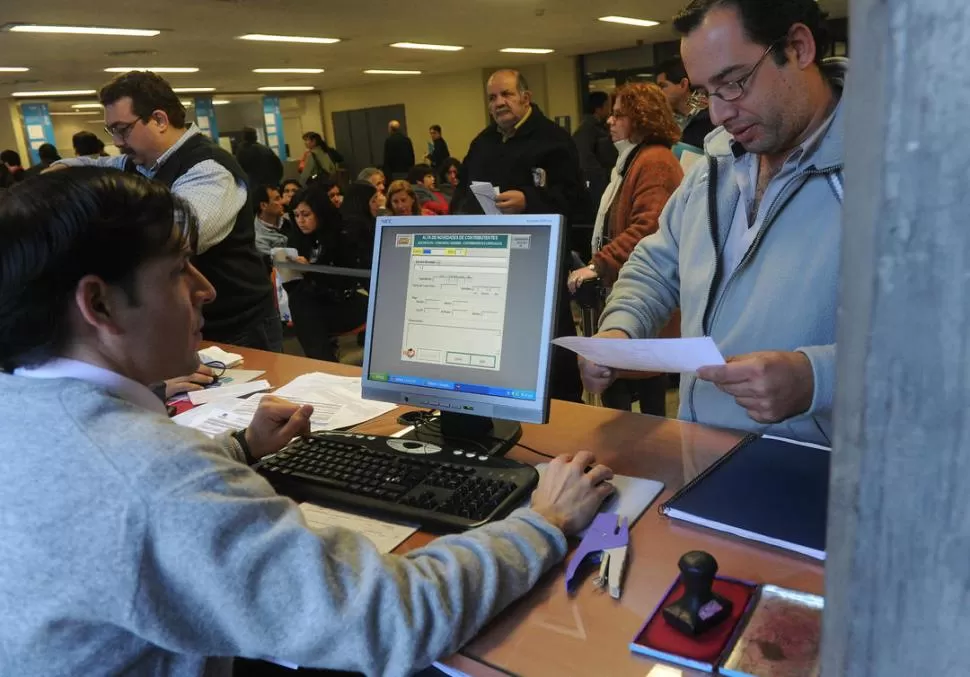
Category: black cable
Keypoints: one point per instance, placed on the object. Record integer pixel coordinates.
(534, 451)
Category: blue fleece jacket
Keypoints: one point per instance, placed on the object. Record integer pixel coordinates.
(783, 295)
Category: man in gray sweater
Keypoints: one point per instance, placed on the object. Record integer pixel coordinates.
(130, 545)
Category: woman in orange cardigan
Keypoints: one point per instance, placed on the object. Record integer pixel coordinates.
(643, 130)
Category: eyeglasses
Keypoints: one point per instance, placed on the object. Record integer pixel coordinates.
(121, 129)
(616, 115)
(734, 90)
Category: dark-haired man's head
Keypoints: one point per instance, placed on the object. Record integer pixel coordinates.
(673, 81)
(509, 98)
(249, 135)
(11, 159)
(435, 132)
(66, 290)
(759, 62)
(269, 204)
(48, 153)
(143, 115)
(86, 143)
(598, 105)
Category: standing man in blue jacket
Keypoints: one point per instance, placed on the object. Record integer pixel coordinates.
(749, 245)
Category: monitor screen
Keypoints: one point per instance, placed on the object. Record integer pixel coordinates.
(461, 314)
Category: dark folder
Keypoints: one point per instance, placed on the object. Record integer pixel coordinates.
(765, 489)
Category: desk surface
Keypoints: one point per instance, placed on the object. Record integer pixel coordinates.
(550, 633)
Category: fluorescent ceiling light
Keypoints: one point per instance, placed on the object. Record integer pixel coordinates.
(86, 105)
(57, 92)
(81, 112)
(192, 90)
(526, 50)
(384, 71)
(220, 102)
(186, 103)
(285, 88)
(629, 21)
(288, 38)
(287, 70)
(13, 69)
(437, 48)
(82, 30)
(125, 69)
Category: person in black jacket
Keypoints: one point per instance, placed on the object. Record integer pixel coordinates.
(323, 305)
(534, 164)
(440, 152)
(597, 155)
(398, 152)
(261, 164)
(695, 123)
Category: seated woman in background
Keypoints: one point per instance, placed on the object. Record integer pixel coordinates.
(423, 181)
(361, 206)
(646, 174)
(448, 174)
(403, 201)
(324, 306)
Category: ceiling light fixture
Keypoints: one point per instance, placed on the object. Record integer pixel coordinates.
(220, 102)
(288, 70)
(192, 90)
(81, 30)
(286, 88)
(13, 69)
(81, 112)
(288, 38)
(526, 50)
(87, 105)
(125, 69)
(419, 45)
(629, 21)
(56, 92)
(385, 71)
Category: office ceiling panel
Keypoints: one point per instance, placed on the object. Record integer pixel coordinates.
(202, 33)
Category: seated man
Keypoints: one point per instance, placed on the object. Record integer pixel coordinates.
(131, 545)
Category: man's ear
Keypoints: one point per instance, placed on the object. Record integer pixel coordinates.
(98, 304)
(801, 43)
(161, 120)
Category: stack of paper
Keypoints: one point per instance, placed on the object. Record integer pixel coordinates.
(217, 354)
(485, 194)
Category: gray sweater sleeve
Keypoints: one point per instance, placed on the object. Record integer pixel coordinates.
(227, 567)
(647, 290)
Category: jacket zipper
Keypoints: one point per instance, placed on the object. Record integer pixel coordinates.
(783, 196)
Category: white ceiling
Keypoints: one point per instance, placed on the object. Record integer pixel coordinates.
(201, 33)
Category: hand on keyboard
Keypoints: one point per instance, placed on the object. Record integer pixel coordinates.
(568, 495)
(275, 423)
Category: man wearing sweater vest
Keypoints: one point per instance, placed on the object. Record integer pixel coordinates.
(131, 545)
(146, 119)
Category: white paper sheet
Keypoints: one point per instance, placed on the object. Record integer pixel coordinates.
(681, 355)
(227, 392)
(485, 194)
(217, 354)
(384, 535)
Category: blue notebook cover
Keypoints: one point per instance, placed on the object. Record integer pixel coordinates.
(766, 489)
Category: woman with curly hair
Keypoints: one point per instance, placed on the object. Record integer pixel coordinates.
(403, 201)
(646, 174)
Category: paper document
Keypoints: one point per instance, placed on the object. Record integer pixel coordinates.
(228, 415)
(237, 376)
(384, 535)
(280, 254)
(227, 391)
(485, 194)
(217, 354)
(679, 355)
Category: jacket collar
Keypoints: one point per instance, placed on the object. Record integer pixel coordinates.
(828, 152)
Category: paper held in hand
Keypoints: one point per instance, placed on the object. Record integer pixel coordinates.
(678, 355)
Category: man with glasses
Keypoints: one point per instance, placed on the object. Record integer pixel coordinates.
(748, 247)
(147, 123)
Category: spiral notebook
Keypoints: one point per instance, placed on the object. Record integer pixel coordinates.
(766, 489)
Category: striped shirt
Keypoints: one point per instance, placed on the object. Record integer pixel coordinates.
(215, 196)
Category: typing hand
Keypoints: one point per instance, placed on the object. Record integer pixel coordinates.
(770, 386)
(202, 377)
(597, 378)
(511, 202)
(275, 423)
(568, 496)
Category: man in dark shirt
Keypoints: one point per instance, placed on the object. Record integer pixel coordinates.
(534, 164)
(436, 158)
(695, 123)
(398, 152)
(262, 165)
(597, 154)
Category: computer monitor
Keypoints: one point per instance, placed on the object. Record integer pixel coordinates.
(460, 320)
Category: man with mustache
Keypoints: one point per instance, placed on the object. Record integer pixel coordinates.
(534, 164)
(748, 246)
(146, 120)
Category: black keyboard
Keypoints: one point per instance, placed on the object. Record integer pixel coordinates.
(440, 488)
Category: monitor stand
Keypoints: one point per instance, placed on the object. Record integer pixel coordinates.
(488, 436)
